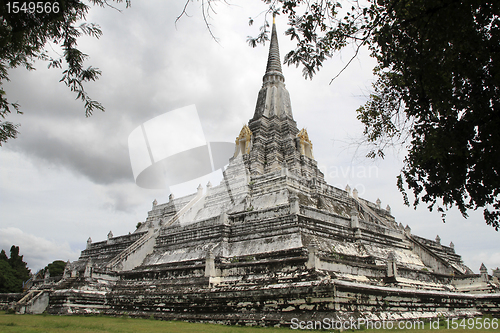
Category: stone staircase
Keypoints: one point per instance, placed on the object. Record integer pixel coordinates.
(374, 216)
(34, 302)
(432, 256)
(134, 255)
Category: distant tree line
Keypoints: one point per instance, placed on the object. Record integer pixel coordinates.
(13, 271)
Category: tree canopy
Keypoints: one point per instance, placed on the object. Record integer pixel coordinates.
(13, 271)
(437, 91)
(26, 31)
(55, 268)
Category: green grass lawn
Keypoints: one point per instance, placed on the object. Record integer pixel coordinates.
(47, 323)
(77, 324)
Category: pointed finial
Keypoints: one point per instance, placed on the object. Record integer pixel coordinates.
(273, 69)
(408, 230)
(314, 243)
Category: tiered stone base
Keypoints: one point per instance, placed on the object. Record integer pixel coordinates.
(305, 295)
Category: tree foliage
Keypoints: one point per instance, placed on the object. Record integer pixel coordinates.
(437, 90)
(24, 36)
(55, 268)
(13, 271)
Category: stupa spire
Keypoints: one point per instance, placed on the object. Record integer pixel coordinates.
(272, 141)
(273, 99)
(273, 69)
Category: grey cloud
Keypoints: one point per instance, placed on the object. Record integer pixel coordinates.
(94, 154)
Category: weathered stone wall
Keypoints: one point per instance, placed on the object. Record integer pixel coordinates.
(305, 298)
(106, 250)
(68, 301)
(6, 299)
(269, 289)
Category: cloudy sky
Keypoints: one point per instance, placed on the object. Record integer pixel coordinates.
(67, 177)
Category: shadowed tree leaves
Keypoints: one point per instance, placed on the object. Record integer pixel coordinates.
(439, 83)
(13, 271)
(56, 268)
(8, 281)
